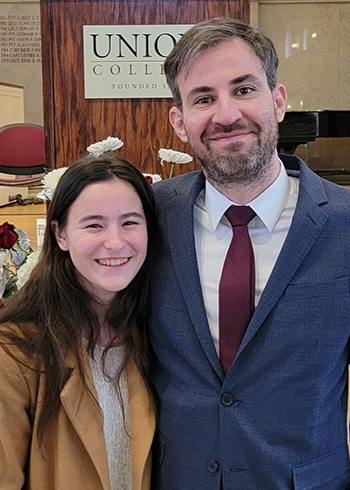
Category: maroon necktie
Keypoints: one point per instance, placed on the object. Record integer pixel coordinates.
(237, 286)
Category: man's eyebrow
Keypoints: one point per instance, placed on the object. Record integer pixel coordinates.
(249, 77)
(199, 90)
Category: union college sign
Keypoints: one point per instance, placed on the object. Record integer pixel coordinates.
(127, 61)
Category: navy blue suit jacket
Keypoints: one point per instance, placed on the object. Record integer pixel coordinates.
(278, 419)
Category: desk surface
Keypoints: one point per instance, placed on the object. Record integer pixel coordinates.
(16, 209)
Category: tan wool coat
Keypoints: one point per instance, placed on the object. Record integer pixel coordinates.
(73, 455)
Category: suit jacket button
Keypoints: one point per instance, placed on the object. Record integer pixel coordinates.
(213, 466)
(227, 399)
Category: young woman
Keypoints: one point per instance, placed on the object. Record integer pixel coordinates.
(76, 410)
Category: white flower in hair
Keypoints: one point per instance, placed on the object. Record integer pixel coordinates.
(174, 158)
(109, 144)
(51, 179)
(50, 182)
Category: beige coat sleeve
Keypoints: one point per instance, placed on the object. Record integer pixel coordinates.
(15, 421)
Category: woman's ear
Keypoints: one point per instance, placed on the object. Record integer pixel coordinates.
(280, 101)
(60, 235)
(176, 120)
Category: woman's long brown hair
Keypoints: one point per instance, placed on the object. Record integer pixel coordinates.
(55, 301)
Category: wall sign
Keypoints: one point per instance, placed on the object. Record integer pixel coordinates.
(127, 61)
(20, 39)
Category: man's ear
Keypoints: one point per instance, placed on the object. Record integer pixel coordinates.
(60, 235)
(176, 120)
(280, 101)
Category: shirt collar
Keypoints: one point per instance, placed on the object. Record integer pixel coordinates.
(268, 205)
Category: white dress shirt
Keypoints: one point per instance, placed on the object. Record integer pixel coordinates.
(274, 210)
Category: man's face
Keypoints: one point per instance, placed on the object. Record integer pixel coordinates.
(230, 116)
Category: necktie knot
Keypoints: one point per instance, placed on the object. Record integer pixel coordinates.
(239, 215)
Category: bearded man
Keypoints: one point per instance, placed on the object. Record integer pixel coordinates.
(250, 313)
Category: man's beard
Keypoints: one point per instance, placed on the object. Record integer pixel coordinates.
(234, 167)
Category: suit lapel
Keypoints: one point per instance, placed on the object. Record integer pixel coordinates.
(180, 224)
(308, 222)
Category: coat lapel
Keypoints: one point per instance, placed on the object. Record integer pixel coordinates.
(85, 416)
(308, 222)
(142, 424)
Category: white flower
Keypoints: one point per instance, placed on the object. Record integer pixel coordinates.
(50, 182)
(25, 270)
(110, 144)
(152, 178)
(172, 156)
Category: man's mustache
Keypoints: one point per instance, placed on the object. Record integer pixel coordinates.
(236, 126)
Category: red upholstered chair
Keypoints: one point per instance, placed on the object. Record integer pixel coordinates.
(22, 153)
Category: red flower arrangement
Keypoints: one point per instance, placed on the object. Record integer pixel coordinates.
(8, 235)
(14, 251)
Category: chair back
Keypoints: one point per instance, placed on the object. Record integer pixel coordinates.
(22, 149)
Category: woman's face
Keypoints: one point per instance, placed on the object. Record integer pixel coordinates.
(106, 236)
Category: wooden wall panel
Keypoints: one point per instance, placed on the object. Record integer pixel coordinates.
(72, 122)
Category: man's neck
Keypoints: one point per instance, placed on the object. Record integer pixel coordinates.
(243, 193)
